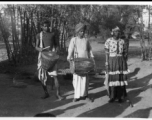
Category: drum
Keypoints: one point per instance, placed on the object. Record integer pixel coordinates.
(49, 59)
(82, 66)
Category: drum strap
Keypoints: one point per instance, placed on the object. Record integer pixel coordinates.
(75, 50)
(41, 42)
(41, 72)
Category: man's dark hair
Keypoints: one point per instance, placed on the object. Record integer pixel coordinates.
(46, 22)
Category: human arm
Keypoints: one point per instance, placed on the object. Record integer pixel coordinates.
(56, 42)
(70, 49)
(125, 50)
(107, 61)
(106, 47)
(90, 54)
(37, 43)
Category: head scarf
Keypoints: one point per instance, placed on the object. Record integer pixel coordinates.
(115, 29)
(78, 27)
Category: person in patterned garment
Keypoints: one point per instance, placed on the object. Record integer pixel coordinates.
(46, 39)
(116, 66)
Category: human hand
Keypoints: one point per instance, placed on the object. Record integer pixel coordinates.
(107, 66)
(57, 50)
(40, 49)
(106, 63)
(95, 68)
(69, 59)
(93, 60)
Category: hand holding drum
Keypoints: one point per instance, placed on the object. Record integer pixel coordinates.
(49, 59)
(81, 66)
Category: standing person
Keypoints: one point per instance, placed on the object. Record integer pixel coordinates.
(116, 66)
(83, 47)
(47, 39)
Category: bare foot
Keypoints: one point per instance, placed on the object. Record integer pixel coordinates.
(59, 97)
(45, 96)
(89, 99)
(76, 99)
(111, 100)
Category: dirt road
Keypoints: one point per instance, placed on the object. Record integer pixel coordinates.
(24, 100)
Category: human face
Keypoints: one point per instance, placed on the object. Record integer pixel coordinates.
(116, 34)
(81, 33)
(45, 27)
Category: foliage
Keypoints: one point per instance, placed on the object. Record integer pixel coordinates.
(25, 20)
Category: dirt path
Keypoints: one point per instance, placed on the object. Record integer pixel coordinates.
(24, 101)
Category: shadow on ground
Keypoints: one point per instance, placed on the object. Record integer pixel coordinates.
(142, 113)
(109, 109)
(34, 92)
(61, 111)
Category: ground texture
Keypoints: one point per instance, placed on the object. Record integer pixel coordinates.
(20, 94)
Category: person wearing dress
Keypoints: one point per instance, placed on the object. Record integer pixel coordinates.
(116, 66)
(80, 45)
(46, 39)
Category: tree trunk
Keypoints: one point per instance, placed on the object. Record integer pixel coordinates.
(38, 22)
(8, 48)
(13, 38)
(14, 55)
(149, 39)
(21, 28)
(142, 42)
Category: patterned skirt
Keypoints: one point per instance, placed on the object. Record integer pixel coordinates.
(117, 80)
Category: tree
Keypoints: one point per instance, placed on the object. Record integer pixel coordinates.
(24, 21)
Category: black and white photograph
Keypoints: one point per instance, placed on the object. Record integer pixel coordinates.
(76, 59)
